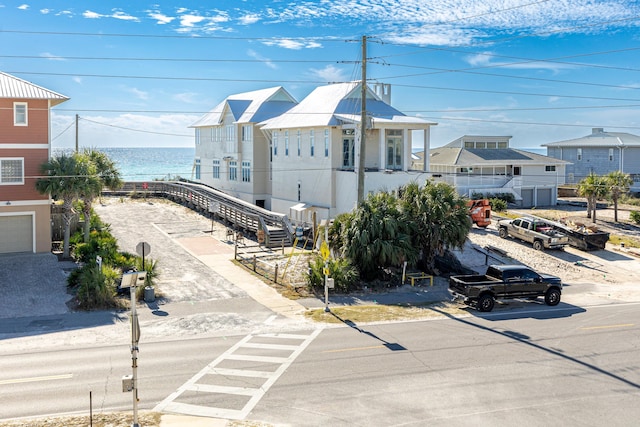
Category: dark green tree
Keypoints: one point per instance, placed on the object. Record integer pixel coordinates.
(438, 216)
(619, 184)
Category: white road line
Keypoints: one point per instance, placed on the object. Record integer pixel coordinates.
(170, 405)
(36, 379)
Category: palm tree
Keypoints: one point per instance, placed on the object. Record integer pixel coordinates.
(376, 238)
(61, 183)
(89, 186)
(105, 174)
(619, 184)
(440, 218)
(593, 187)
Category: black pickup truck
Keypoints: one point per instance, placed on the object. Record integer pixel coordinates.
(505, 281)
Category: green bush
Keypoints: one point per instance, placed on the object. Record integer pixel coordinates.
(498, 205)
(345, 275)
(97, 287)
(634, 216)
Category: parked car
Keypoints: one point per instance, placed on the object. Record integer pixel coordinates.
(537, 232)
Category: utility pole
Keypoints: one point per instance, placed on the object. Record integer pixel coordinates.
(76, 133)
(363, 121)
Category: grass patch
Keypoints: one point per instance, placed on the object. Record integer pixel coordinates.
(380, 312)
(147, 419)
(629, 242)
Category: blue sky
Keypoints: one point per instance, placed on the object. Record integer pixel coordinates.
(139, 73)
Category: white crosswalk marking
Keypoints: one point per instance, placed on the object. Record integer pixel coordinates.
(203, 384)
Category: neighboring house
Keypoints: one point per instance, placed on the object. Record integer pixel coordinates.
(486, 164)
(601, 152)
(25, 144)
(315, 149)
(232, 154)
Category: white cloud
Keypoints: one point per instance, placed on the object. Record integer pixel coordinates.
(118, 14)
(186, 97)
(140, 94)
(293, 44)
(23, 7)
(248, 19)
(91, 15)
(45, 11)
(190, 20)
(330, 73)
(77, 80)
(52, 56)
(255, 55)
(161, 18)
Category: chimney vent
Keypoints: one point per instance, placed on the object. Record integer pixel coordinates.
(383, 91)
(597, 130)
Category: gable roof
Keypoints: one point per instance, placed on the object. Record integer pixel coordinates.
(487, 156)
(15, 88)
(599, 138)
(337, 103)
(250, 107)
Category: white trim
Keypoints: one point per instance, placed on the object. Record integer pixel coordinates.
(3, 203)
(26, 113)
(24, 147)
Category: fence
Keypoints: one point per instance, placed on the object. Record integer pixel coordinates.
(273, 267)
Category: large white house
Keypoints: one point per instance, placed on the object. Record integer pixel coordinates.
(315, 150)
(301, 159)
(232, 154)
(487, 165)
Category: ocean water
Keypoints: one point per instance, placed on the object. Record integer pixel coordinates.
(149, 163)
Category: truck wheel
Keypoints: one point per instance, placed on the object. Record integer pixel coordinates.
(485, 303)
(538, 246)
(552, 297)
(503, 232)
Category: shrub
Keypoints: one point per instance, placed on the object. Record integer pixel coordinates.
(498, 205)
(344, 274)
(634, 216)
(97, 287)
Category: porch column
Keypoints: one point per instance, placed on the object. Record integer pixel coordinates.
(426, 143)
(383, 149)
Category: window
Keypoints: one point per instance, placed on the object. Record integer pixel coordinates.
(394, 149)
(216, 168)
(299, 191)
(298, 139)
(312, 142)
(231, 132)
(217, 134)
(275, 143)
(246, 171)
(516, 170)
(20, 114)
(247, 133)
(233, 170)
(286, 142)
(502, 144)
(326, 142)
(579, 154)
(197, 136)
(550, 168)
(11, 171)
(348, 142)
(197, 168)
(611, 154)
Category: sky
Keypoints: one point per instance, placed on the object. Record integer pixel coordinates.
(138, 73)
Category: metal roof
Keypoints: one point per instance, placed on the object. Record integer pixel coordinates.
(249, 107)
(600, 138)
(487, 156)
(340, 102)
(15, 88)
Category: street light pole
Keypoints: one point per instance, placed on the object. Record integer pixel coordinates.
(135, 336)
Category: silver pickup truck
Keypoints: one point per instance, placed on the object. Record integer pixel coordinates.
(540, 234)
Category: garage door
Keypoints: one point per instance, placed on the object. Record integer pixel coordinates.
(544, 197)
(17, 233)
(527, 197)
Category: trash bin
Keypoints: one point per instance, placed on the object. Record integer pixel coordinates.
(149, 294)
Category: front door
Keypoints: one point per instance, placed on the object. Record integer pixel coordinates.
(395, 149)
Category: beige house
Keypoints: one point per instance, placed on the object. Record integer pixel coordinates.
(487, 165)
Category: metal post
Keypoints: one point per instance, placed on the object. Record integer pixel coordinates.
(326, 288)
(134, 355)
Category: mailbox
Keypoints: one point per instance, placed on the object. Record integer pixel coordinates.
(127, 383)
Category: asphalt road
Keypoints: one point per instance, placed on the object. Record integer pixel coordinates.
(529, 367)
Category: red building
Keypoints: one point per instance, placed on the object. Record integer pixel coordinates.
(25, 144)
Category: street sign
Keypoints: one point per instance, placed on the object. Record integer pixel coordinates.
(324, 250)
(143, 249)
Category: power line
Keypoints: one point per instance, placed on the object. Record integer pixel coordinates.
(135, 130)
(96, 58)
